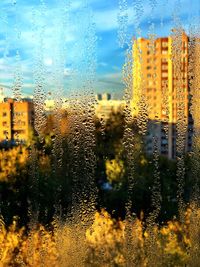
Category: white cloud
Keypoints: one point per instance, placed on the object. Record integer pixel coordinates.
(114, 75)
(103, 64)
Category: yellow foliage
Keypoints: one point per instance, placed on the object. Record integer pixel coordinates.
(106, 237)
(104, 243)
(114, 170)
(16, 158)
(105, 230)
(36, 249)
(10, 160)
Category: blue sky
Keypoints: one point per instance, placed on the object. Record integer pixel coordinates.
(43, 31)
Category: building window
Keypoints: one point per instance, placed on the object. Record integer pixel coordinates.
(150, 83)
(164, 82)
(19, 132)
(4, 114)
(4, 123)
(20, 123)
(19, 113)
(164, 44)
(164, 67)
(164, 52)
(164, 60)
(164, 74)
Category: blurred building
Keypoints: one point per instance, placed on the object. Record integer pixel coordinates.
(16, 119)
(161, 87)
(105, 105)
(50, 105)
(1, 95)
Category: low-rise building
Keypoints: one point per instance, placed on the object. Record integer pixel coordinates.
(106, 105)
(16, 119)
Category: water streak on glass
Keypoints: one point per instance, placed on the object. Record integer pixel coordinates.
(18, 76)
(129, 145)
(157, 125)
(39, 68)
(39, 119)
(179, 56)
(194, 83)
(122, 23)
(59, 56)
(139, 11)
(153, 5)
(82, 117)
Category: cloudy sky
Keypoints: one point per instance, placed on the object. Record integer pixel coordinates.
(57, 42)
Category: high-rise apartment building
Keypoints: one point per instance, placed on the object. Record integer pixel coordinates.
(161, 87)
(16, 120)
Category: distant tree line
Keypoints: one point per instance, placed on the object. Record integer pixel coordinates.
(34, 183)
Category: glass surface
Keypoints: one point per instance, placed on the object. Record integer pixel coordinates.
(99, 133)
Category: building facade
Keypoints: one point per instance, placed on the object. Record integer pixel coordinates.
(105, 105)
(161, 85)
(16, 120)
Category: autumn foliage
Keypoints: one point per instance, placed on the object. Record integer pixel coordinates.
(103, 243)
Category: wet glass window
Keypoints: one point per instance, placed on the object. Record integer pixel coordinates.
(99, 133)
